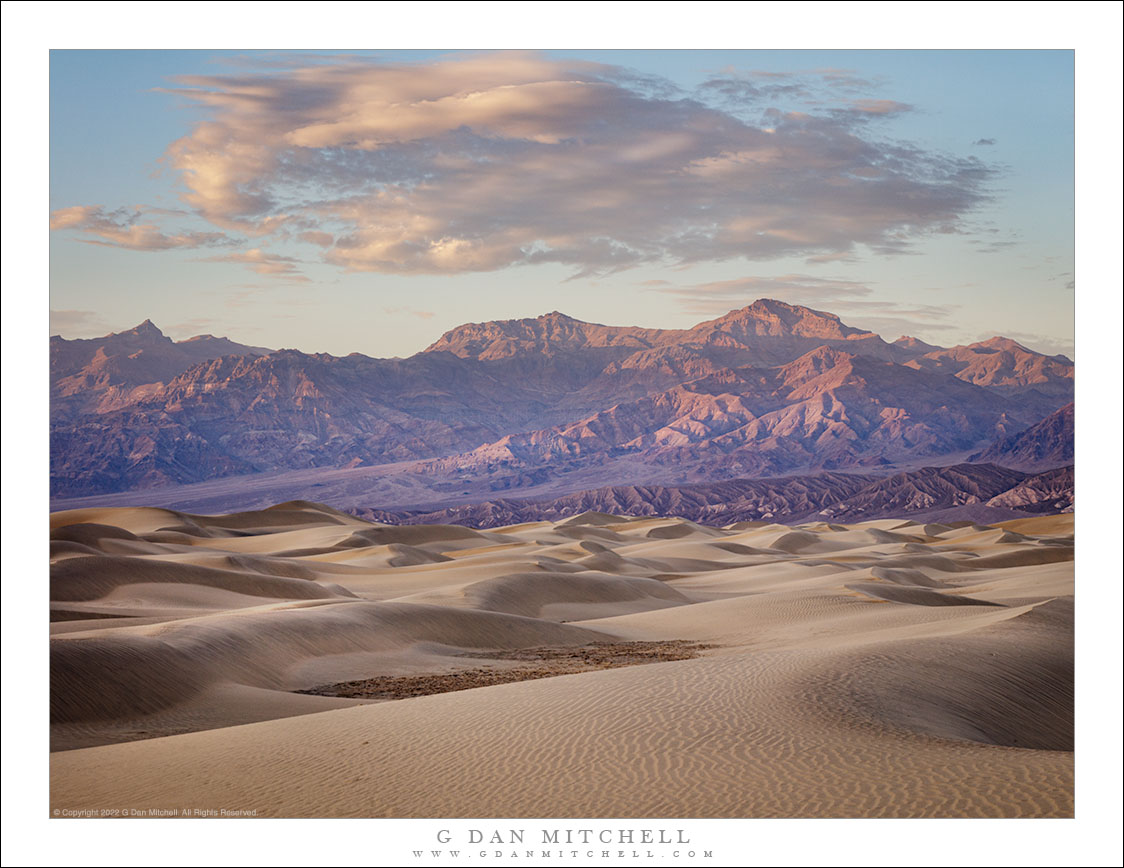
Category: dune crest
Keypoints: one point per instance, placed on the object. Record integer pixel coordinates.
(887, 668)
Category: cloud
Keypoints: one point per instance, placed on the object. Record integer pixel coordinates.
(70, 322)
(120, 228)
(821, 258)
(420, 314)
(735, 87)
(480, 162)
(997, 246)
(815, 87)
(263, 262)
(1069, 282)
(721, 296)
(320, 239)
(832, 93)
(892, 319)
(878, 106)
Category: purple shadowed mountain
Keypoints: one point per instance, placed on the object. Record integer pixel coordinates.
(770, 390)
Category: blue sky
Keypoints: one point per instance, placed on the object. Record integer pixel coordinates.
(369, 202)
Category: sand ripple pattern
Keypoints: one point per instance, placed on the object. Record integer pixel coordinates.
(885, 669)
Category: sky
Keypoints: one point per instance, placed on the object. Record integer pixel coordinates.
(367, 202)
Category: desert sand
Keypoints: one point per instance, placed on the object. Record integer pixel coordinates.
(880, 669)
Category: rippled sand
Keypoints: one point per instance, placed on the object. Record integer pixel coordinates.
(885, 669)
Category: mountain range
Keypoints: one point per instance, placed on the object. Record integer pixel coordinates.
(551, 404)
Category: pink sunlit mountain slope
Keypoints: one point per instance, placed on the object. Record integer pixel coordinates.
(766, 390)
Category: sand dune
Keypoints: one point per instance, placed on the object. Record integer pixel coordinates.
(571, 596)
(888, 668)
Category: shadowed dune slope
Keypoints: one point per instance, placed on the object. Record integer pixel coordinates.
(1022, 698)
(882, 669)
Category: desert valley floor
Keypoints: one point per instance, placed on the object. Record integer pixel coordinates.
(882, 669)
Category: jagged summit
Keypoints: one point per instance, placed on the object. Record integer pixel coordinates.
(101, 371)
(1002, 363)
(148, 327)
(145, 332)
(911, 343)
(998, 342)
(768, 317)
(544, 335)
(771, 308)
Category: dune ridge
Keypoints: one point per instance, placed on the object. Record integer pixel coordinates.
(872, 669)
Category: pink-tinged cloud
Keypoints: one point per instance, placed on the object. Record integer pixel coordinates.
(879, 106)
(488, 161)
(120, 228)
(320, 239)
(263, 262)
(720, 296)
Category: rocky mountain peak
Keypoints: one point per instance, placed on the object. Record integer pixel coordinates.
(146, 329)
(911, 343)
(768, 317)
(998, 342)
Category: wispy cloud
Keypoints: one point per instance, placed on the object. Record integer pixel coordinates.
(122, 228)
(721, 296)
(70, 322)
(892, 319)
(264, 262)
(740, 88)
(997, 246)
(822, 258)
(420, 314)
(1065, 276)
(481, 162)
